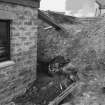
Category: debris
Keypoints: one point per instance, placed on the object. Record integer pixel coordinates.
(61, 86)
(64, 94)
(56, 63)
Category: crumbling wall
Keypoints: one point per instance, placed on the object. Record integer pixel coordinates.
(85, 47)
(84, 44)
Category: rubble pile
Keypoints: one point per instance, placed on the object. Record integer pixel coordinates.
(42, 91)
(46, 87)
(90, 91)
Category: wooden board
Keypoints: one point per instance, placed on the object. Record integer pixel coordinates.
(64, 94)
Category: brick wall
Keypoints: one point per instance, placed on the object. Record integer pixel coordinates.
(15, 78)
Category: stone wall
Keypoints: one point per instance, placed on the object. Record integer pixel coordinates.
(23, 33)
(84, 45)
(47, 42)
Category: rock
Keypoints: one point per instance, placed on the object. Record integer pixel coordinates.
(56, 64)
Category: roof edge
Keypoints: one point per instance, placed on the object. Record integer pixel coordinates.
(51, 22)
(46, 18)
(28, 3)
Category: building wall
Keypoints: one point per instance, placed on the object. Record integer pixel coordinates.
(48, 41)
(15, 78)
(83, 45)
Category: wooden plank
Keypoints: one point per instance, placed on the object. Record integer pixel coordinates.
(47, 19)
(30, 3)
(64, 94)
